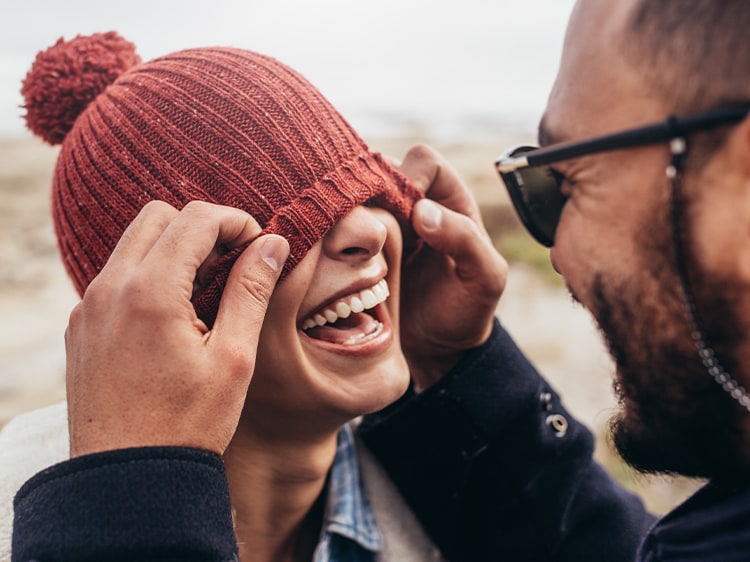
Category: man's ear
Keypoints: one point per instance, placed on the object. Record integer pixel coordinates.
(738, 171)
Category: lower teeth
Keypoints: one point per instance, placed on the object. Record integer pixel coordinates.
(365, 337)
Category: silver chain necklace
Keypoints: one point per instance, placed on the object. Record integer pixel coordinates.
(678, 147)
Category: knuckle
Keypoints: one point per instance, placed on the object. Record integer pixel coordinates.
(137, 291)
(159, 211)
(132, 295)
(237, 360)
(421, 152)
(97, 293)
(493, 281)
(240, 362)
(493, 287)
(196, 207)
(156, 206)
(75, 319)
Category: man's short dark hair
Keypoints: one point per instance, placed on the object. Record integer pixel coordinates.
(694, 53)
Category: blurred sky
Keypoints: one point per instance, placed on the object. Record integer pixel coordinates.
(444, 67)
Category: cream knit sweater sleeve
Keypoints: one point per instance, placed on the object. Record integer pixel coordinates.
(29, 443)
(38, 439)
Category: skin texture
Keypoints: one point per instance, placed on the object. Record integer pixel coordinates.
(614, 247)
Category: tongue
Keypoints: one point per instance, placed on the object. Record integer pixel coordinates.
(357, 326)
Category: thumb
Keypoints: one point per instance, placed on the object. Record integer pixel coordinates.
(459, 237)
(248, 291)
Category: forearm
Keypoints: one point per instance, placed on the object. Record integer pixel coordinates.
(154, 503)
(480, 462)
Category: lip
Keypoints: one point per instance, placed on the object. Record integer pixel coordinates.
(371, 347)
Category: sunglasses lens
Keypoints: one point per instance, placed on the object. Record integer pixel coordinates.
(535, 192)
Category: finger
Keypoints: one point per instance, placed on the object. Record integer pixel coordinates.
(421, 165)
(434, 177)
(248, 290)
(192, 235)
(140, 236)
(459, 237)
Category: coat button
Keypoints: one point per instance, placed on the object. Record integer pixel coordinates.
(558, 423)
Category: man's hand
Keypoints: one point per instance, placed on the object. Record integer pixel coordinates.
(452, 287)
(142, 369)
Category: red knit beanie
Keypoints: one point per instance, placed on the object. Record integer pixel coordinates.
(222, 125)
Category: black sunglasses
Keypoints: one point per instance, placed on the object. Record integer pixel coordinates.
(534, 187)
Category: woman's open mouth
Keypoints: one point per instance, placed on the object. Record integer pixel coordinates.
(350, 321)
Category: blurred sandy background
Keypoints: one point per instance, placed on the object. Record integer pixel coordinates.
(559, 337)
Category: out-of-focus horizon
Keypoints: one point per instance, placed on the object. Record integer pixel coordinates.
(432, 67)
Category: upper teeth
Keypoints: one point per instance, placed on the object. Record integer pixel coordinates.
(364, 300)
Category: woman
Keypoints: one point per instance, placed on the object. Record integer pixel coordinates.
(240, 129)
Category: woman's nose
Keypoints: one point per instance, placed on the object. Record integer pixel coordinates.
(357, 237)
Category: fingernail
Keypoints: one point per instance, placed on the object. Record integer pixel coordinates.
(274, 251)
(430, 214)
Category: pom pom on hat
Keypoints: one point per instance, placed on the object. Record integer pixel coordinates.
(65, 78)
(216, 124)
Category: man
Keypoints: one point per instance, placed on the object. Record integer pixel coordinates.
(646, 217)
(636, 244)
(638, 247)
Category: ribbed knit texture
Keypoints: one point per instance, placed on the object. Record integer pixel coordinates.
(222, 125)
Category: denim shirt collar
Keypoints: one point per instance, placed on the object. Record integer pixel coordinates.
(348, 514)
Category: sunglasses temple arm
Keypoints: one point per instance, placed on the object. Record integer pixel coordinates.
(643, 136)
(638, 137)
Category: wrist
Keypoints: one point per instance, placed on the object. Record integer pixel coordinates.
(430, 369)
(430, 364)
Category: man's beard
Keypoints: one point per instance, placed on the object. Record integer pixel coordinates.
(674, 417)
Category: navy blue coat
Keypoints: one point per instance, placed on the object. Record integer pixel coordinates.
(489, 460)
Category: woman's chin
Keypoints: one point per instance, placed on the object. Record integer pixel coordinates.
(370, 388)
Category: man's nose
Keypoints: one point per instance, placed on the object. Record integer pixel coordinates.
(357, 237)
